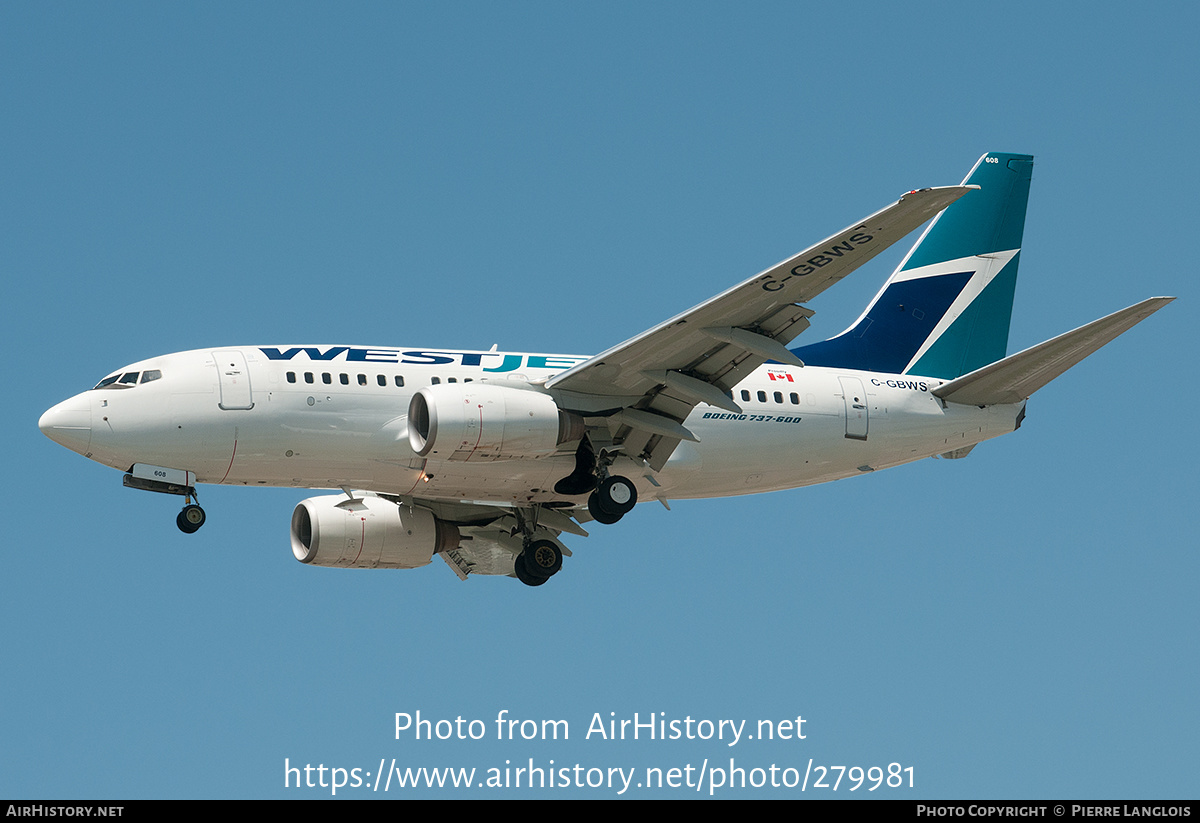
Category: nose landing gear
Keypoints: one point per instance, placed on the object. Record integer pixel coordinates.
(192, 517)
(170, 481)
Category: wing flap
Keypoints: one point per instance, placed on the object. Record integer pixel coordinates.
(1018, 376)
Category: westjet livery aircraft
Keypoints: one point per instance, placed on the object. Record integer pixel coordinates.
(485, 457)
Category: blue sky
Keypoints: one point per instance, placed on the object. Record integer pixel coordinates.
(559, 177)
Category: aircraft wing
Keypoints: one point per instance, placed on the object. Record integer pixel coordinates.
(650, 383)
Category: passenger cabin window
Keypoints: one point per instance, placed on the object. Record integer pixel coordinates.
(778, 397)
(745, 394)
(433, 381)
(762, 397)
(124, 381)
(795, 398)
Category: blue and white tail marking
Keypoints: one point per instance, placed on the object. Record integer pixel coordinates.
(946, 310)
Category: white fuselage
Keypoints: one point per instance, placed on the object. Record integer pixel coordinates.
(280, 416)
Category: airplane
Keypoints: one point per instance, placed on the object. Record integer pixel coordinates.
(485, 458)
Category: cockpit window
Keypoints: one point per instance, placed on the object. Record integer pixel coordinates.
(129, 379)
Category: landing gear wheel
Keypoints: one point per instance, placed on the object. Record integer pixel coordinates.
(523, 574)
(541, 558)
(613, 499)
(617, 494)
(190, 519)
(599, 513)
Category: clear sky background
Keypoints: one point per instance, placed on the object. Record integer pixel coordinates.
(559, 177)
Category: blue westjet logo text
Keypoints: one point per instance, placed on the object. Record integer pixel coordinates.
(494, 362)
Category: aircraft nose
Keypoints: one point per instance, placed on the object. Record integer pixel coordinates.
(69, 423)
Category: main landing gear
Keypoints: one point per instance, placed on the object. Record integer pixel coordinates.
(613, 498)
(538, 563)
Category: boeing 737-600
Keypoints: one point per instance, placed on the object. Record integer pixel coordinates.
(486, 457)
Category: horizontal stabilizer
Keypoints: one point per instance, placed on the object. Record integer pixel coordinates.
(1015, 378)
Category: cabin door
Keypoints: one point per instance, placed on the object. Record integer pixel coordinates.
(855, 400)
(235, 380)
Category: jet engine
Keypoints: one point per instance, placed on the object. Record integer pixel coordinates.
(367, 532)
(484, 422)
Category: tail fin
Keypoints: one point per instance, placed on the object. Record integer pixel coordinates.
(945, 311)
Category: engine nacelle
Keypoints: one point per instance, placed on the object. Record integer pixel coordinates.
(482, 422)
(367, 533)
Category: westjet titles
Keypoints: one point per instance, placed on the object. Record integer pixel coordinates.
(434, 357)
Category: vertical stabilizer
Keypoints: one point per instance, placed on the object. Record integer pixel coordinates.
(945, 311)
